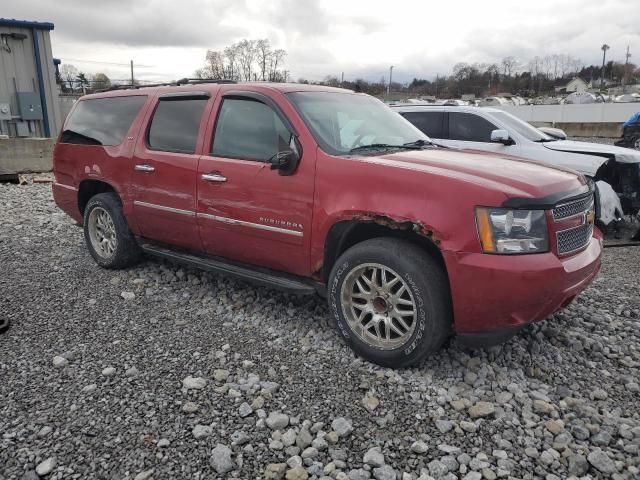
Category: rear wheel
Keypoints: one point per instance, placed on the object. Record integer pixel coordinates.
(390, 301)
(636, 143)
(107, 234)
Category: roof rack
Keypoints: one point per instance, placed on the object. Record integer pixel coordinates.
(182, 81)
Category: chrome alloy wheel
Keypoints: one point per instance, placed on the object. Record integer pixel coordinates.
(636, 144)
(102, 232)
(378, 306)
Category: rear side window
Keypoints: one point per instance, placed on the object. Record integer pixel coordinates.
(249, 130)
(430, 123)
(469, 127)
(175, 124)
(102, 121)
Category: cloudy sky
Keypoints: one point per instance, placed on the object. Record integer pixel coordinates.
(361, 38)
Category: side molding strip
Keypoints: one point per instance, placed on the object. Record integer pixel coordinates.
(165, 209)
(68, 187)
(259, 226)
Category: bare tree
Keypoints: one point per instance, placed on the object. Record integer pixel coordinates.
(509, 65)
(246, 56)
(264, 53)
(276, 60)
(69, 73)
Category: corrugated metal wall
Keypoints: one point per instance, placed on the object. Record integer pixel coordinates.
(18, 72)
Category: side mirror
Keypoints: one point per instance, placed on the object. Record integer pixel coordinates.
(287, 161)
(501, 136)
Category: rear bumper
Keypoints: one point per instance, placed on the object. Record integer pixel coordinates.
(494, 296)
(66, 197)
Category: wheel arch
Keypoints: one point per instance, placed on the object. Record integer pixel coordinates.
(89, 188)
(345, 234)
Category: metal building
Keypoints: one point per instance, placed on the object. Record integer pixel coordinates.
(29, 104)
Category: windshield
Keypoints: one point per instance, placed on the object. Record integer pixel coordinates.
(341, 122)
(523, 128)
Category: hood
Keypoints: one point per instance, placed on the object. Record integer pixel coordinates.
(623, 155)
(513, 177)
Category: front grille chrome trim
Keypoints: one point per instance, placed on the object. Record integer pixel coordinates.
(574, 208)
(585, 230)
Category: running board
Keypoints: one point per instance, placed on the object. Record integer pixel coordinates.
(257, 275)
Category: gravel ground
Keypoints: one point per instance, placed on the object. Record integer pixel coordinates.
(161, 372)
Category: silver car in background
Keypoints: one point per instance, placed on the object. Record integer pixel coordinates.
(615, 170)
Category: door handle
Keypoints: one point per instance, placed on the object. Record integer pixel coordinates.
(144, 168)
(213, 177)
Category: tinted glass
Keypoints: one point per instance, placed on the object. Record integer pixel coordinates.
(102, 121)
(430, 123)
(250, 130)
(175, 124)
(342, 121)
(469, 127)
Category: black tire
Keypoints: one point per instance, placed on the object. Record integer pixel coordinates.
(635, 143)
(428, 284)
(126, 252)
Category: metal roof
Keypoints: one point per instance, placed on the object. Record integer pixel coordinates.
(13, 23)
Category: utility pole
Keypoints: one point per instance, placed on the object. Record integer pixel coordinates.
(604, 49)
(131, 62)
(342, 79)
(390, 76)
(436, 95)
(286, 75)
(626, 69)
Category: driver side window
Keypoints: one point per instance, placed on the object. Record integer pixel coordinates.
(247, 129)
(469, 127)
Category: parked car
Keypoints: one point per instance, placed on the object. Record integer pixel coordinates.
(321, 190)
(630, 133)
(615, 170)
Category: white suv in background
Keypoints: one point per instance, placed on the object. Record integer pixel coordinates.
(615, 170)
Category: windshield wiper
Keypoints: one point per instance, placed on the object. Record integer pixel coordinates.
(374, 146)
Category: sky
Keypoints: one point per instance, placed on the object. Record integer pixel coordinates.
(168, 39)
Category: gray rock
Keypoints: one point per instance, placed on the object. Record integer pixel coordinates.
(245, 410)
(201, 431)
(163, 443)
(444, 425)
(437, 469)
(386, 472)
(144, 475)
(194, 383)
(374, 457)
(109, 372)
(46, 467)
(309, 452)
(359, 474)
(275, 471)
(128, 295)
(419, 447)
(578, 465)
(221, 459)
(303, 439)
(297, 473)
(59, 362)
(601, 462)
(190, 407)
(342, 426)
(277, 420)
(482, 409)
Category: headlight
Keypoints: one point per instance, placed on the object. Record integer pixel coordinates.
(506, 231)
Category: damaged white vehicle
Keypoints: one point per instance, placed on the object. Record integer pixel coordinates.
(615, 170)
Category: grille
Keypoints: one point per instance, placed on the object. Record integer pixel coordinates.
(574, 239)
(575, 207)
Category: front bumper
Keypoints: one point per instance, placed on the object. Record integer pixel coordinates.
(495, 295)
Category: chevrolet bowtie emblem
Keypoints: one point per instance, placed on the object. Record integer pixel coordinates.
(590, 217)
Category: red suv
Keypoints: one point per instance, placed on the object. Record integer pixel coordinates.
(316, 189)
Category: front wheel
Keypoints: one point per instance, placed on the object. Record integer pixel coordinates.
(636, 142)
(107, 234)
(391, 301)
